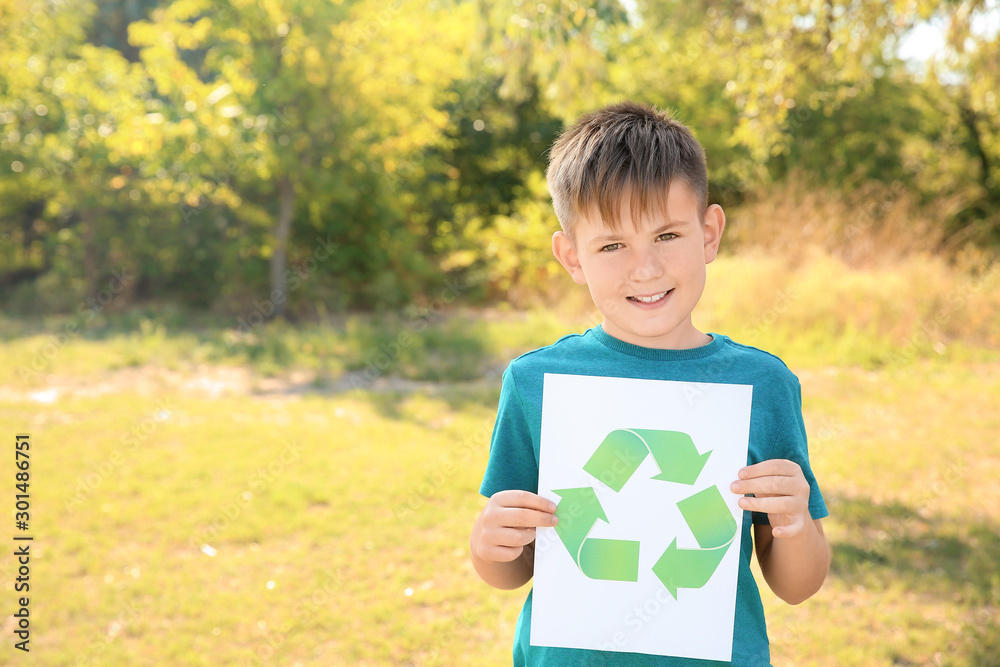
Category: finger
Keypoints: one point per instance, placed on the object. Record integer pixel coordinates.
(773, 505)
(771, 467)
(510, 537)
(772, 486)
(523, 518)
(525, 499)
(500, 554)
(790, 530)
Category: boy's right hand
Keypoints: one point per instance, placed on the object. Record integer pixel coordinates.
(507, 524)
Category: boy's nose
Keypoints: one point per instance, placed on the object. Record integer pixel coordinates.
(648, 265)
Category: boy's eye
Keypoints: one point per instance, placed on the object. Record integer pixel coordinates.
(611, 247)
(666, 236)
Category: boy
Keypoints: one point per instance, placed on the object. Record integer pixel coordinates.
(629, 186)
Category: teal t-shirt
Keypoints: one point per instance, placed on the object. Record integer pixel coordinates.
(776, 432)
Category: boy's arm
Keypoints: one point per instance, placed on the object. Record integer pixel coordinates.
(502, 544)
(793, 553)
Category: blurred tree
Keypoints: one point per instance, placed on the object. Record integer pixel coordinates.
(866, 141)
(669, 59)
(477, 174)
(70, 114)
(969, 72)
(111, 20)
(210, 147)
(301, 101)
(811, 55)
(559, 49)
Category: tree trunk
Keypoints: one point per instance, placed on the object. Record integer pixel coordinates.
(286, 206)
(88, 233)
(970, 120)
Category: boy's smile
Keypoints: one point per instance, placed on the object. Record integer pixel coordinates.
(655, 298)
(646, 279)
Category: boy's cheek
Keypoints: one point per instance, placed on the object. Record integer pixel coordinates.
(607, 306)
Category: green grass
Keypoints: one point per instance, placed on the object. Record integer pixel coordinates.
(360, 503)
(289, 518)
(421, 345)
(907, 457)
(346, 499)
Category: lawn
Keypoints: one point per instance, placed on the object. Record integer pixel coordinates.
(201, 498)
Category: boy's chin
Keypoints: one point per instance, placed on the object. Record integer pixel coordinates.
(678, 337)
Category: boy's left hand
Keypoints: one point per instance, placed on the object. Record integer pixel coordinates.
(781, 490)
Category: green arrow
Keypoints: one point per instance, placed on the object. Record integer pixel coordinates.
(617, 457)
(622, 450)
(675, 455)
(714, 528)
(687, 568)
(614, 560)
(709, 518)
(578, 511)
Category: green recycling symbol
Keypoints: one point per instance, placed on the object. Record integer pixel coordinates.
(614, 463)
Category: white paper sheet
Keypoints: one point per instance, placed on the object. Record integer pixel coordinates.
(601, 584)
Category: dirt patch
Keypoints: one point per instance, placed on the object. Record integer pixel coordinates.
(208, 382)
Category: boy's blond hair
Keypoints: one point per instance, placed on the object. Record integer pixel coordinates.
(616, 152)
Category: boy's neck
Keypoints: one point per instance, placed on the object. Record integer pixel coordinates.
(687, 339)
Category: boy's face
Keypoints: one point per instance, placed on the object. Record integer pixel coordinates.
(646, 279)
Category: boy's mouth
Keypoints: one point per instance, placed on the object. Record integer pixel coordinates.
(653, 298)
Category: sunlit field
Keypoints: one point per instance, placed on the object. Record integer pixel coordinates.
(302, 495)
(211, 485)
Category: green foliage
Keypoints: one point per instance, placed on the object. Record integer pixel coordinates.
(209, 148)
(512, 254)
(286, 508)
(70, 113)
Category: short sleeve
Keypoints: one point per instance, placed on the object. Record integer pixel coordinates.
(790, 442)
(512, 462)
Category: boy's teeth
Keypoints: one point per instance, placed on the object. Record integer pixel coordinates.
(650, 299)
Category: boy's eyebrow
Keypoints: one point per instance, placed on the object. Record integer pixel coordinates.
(667, 226)
(670, 224)
(605, 238)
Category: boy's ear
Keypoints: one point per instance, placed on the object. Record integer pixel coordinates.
(715, 224)
(564, 251)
